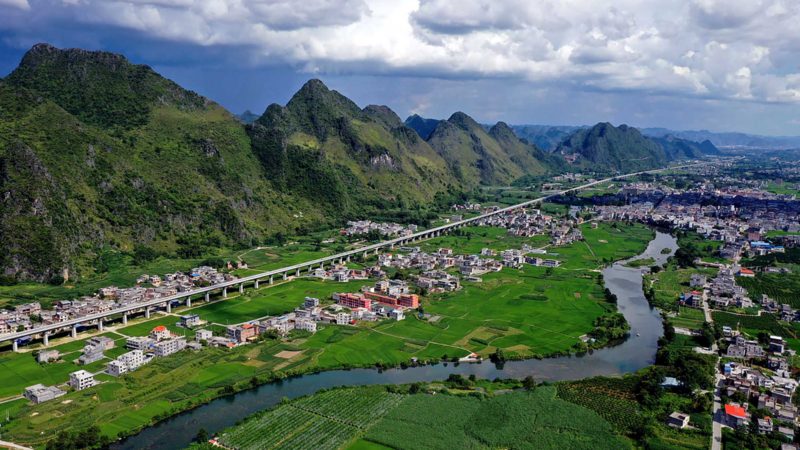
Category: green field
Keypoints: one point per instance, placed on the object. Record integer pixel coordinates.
(783, 288)
(370, 418)
(20, 370)
(691, 318)
(527, 312)
(326, 420)
(667, 285)
(536, 420)
(275, 300)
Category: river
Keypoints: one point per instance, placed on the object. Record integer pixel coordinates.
(636, 352)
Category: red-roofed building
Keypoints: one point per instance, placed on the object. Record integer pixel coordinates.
(406, 300)
(745, 272)
(242, 333)
(735, 415)
(160, 333)
(353, 301)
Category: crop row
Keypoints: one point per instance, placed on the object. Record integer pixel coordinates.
(357, 407)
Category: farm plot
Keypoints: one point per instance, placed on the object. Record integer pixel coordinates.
(611, 398)
(326, 420)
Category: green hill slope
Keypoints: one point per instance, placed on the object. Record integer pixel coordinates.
(324, 147)
(605, 146)
(479, 157)
(159, 166)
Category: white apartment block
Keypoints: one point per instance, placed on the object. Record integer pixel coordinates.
(166, 348)
(81, 380)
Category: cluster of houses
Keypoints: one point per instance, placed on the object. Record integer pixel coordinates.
(769, 388)
(721, 292)
(159, 343)
(770, 393)
(738, 218)
(148, 287)
(442, 259)
(341, 273)
(524, 222)
(361, 227)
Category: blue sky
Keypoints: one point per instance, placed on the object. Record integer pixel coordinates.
(723, 65)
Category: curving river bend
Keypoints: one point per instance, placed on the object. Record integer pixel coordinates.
(636, 352)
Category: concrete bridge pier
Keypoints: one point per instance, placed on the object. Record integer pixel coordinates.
(270, 279)
(255, 284)
(241, 288)
(147, 313)
(74, 331)
(348, 258)
(100, 325)
(284, 275)
(297, 272)
(169, 307)
(46, 338)
(208, 296)
(124, 319)
(376, 251)
(322, 266)
(341, 260)
(225, 292)
(188, 302)
(14, 345)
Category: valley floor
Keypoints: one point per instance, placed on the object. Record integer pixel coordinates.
(529, 312)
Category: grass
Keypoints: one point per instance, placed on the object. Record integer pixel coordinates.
(275, 300)
(20, 370)
(691, 318)
(644, 262)
(668, 284)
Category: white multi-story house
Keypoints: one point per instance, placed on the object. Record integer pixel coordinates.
(81, 380)
(168, 347)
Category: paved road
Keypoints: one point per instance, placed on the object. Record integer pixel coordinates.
(717, 415)
(13, 446)
(284, 271)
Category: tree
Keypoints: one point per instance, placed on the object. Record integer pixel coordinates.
(202, 436)
(529, 383)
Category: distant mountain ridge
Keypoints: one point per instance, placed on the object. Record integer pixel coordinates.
(625, 149)
(547, 137)
(729, 139)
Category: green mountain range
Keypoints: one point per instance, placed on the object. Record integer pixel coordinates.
(483, 155)
(99, 153)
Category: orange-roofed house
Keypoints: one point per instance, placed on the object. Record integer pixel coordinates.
(160, 333)
(745, 272)
(243, 333)
(735, 415)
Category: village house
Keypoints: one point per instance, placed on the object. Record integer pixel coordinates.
(39, 393)
(81, 380)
